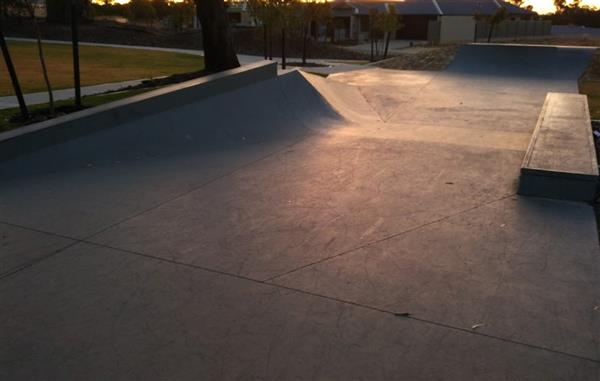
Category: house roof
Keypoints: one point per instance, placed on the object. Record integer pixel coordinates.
(485, 7)
(433, 7)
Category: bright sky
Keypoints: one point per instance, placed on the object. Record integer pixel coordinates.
(547, 6)
(540, 6)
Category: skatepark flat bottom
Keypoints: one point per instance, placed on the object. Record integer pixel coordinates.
(363, 226)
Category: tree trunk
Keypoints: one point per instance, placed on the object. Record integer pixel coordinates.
(44, 68)
(490, 33)
(3, 9)
(283, 48)
(13, 74)
(271, 44)
(266, 42)
(219, 53)
(387, 44)
(56, 11)
(372, 43)
(304, 43)
(75, 44)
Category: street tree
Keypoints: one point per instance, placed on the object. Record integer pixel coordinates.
(500, 15)
(59, 11)
(311, 13)
(30, 6)
(287, 19)
(388, 23)
(12, 73)
(375, 31)
(142, 11)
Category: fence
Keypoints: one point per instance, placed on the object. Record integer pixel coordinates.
(513, 29)
(451, 29)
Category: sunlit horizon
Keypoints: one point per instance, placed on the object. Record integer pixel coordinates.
(547, 6)
(540, 6)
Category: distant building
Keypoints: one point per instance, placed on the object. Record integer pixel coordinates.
(420, 18)
(239, 14)
(437, 21)
(38, 6)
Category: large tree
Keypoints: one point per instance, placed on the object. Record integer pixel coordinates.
(59, 11)
(219, 53)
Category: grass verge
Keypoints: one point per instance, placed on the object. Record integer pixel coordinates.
(591, 88)
(9, 118)
(99, 65)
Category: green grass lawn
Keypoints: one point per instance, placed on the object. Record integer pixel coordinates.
(591, 88)
(89, 101)
(98, 65)
(594, 103)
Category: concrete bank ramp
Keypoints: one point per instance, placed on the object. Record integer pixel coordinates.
(346, 99)
(272, 110)
(526, 61)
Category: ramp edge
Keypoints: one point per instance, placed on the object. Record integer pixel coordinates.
(36, 136)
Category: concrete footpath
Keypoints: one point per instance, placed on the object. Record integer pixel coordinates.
(42, 97)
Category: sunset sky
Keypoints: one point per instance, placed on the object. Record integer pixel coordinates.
(540, 6)
(547, 6)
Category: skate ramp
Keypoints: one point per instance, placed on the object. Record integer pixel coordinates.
(346, 99)
(522, 61)
(262, 234)
(276, 109)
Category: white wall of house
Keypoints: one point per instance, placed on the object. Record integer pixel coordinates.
(456, 28)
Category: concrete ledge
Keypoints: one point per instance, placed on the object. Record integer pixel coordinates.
(561, 159)
(37, 136)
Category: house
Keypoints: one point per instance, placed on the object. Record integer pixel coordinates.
(24, 9)
(433, 20)
(238, 14)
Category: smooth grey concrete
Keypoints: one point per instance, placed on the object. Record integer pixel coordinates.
(191, 324)
(522, 61)
(561, 159)
(55, 131)
(21, 247)
(157, 157)
(291, 238)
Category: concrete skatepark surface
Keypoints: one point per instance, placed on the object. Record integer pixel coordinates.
(285, 229)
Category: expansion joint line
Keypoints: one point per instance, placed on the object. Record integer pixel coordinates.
(386, 238)
(158, 205)
(398, 315)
